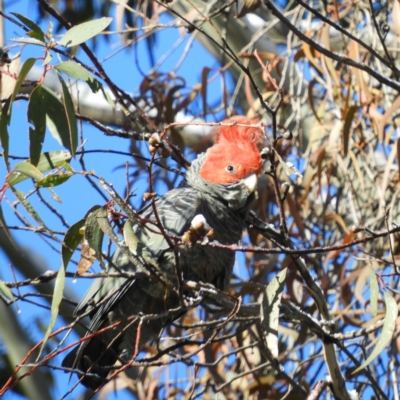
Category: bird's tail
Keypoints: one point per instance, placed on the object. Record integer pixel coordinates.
(136, 319)
(94, 365)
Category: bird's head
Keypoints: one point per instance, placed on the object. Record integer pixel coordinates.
(235, 156)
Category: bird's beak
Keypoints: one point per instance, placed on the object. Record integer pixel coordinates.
(250, 181)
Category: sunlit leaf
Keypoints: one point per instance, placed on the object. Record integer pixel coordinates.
(55, 305)
(374, 290)
(54, 180)
(6, 290)
(130, 238)
(25, 40)
(47, 161)
(387, 331)
(82, 32)
(288, 167)
(28, 64)
(27, 169)
(48, 59)
(76, 71)
(270, 311)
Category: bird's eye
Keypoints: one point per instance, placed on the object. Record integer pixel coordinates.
(230, 168)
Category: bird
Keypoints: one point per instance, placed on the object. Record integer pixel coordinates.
(217, 192)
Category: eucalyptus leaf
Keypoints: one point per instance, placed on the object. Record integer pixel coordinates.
(80, 33)
(76, 71)
(70, 115)
(28, 207)
(5, 118)
(47, 161)
(26, 169)
(6, 290)
(53, 180)
(387, 331)
(270, 311)
(56, 118)
(93, 234)
(37, 117)
(31, 25)
(55, 305)
(25, 40)
(374, 290)
(28, 64)
(72, 238)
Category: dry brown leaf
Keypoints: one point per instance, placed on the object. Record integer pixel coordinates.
(248, 6)
(294, 212)
(264, 55)
(309, 53)
(325, 40)
(363, 88)
(87, 257)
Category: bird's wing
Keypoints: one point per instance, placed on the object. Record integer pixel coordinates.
(176, 210)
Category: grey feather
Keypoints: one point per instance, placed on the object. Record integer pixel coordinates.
(127, 300)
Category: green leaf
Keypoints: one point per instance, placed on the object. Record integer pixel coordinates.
(4, 122)
(72, 238)
(56, 118)
(28, 64)
(68, 168)
(387, 331)
(47, 161)
(27, 169)
(25, 40)
(38, 33)
(76, 71)
(131, 240)
(6, 290)
(270, 311)
(48, 59)
(374, 290)
(3, 225)
(69, 110)
(104, 223)
(346, 127)
(28, 206)
(82, 32)
(93, 234)
(55, 305)
(107, 97)
(53, 180)
(288, 167)
(37, 117)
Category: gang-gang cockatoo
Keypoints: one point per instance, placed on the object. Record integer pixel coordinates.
(219, 186)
